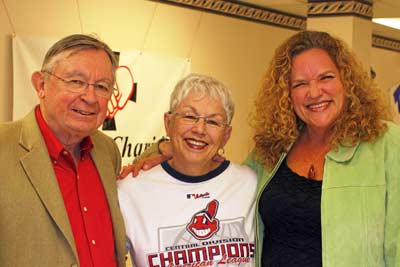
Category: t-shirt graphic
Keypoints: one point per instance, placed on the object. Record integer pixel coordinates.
(204, 241)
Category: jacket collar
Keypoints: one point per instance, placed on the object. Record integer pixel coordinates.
(343, 153)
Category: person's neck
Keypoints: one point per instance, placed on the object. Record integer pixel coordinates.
(71, 143)
(316, 137)
(74, 150)
(194, 169)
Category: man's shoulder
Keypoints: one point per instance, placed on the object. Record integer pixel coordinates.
(100, 139)
(10, 130)
(15, 126)
(9, 126)
(101, 136)
(104, 145)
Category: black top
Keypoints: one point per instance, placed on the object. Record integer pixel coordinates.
(290, 208)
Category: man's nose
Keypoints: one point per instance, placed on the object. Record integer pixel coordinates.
(89, 94)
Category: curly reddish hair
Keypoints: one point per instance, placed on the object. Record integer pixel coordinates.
(276, 125)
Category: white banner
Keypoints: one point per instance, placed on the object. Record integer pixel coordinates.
(395, 102)
(135, 111)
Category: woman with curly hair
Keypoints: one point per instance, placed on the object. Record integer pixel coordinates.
(327, 158)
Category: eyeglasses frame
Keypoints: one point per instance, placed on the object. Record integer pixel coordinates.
(85, 85)
(205, 118)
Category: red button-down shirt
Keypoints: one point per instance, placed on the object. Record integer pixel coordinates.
(84, 200)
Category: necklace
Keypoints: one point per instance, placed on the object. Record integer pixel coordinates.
(311, 171)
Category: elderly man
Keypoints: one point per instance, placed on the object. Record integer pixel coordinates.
(58, 198)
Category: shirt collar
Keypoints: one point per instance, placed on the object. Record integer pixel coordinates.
(54, 146)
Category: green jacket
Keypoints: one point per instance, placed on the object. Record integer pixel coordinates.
(360, 203)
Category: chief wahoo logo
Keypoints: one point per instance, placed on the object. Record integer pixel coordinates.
(203, 224)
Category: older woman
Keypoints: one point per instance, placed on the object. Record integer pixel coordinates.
(328, 163)
(191, 209)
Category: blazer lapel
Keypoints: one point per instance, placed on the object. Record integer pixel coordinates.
(105, 169)
(103, 161)
(39, 169)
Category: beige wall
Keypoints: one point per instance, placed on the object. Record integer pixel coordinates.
(232, 50)
(357, 32)
(5, 67)
(386, 64)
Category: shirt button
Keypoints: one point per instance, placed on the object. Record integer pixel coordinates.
(93, 242)
(85, 209)
(55, 162)
(65, 152)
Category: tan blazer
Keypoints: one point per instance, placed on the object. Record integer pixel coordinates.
(34, 226)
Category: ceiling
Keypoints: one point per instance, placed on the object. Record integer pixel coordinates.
(381, 9)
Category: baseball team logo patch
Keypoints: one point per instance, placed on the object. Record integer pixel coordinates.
(204, 224)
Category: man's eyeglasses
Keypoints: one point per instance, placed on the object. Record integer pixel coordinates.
(191, 119)
(78, 86)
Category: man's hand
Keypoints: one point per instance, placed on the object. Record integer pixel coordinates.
(144, 164)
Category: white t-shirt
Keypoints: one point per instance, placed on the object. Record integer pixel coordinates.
(176, 220)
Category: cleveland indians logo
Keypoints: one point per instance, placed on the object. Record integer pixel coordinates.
(204, 224)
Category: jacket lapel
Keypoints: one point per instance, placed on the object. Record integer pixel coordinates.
(105, 169)
(39, 170)
(107, 172)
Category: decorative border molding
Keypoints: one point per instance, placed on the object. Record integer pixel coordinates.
(385, 43)
(325, 8)
(244, 11)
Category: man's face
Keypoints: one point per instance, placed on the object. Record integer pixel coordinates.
(74, 115)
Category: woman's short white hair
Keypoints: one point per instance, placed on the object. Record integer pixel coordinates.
(205, 86)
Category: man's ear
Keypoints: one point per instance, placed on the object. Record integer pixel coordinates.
(37, 80)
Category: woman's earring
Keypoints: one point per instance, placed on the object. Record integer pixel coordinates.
(221, 151)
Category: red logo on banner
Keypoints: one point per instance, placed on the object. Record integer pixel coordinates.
(125, 91)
